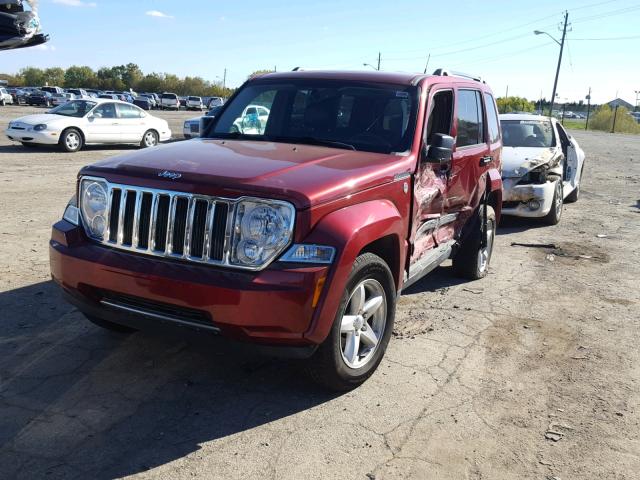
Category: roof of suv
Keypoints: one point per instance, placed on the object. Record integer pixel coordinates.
(396, 78)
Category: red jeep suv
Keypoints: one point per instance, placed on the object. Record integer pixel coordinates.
(310, 201)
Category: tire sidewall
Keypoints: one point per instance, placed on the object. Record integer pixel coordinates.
(378, 270)
(63, 140)
(144, 137)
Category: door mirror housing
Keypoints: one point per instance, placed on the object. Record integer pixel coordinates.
(440, 150)
(205, 122)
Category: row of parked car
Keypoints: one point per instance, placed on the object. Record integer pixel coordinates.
(49, 96)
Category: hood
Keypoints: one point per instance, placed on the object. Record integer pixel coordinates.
(38, 118)
(303, 174)
(516, 161)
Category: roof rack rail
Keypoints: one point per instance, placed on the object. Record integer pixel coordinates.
(442, 72)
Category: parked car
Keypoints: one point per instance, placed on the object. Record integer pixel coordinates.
(541, 169)
(191, 128)
(40, 98)
(183, 101)
(62, 98)
(5, 97)
(194, 103)
(84, 122)
(19, 96)
(152, 100)
(298, 238)
(52, 90)
(215, 102)
(79, 93)
(169, 101)
(142, 102)
(110, 96)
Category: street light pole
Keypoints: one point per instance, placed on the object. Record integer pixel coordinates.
(637, 92)
(379, 55)
(586, 125)
(561, 43)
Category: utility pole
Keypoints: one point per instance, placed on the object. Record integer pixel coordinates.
(637, 92)
(555, 82)
(224, 80)
(586, 125)
(379, 55)
(615, 115)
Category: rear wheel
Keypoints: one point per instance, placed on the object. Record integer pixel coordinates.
(554, 215)
(361, 329)
(106, 324)
(149, 139)
(2, 102)
(70, 140)
(474, 255)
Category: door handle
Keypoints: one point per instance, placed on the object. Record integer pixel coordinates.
(115, 124)
(486, 160)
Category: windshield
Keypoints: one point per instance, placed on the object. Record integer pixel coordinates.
(360, 116)
(76, 108)
(527, 133)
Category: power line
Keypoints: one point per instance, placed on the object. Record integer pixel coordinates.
(605, 38)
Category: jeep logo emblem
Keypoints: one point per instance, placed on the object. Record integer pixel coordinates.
(170, 175)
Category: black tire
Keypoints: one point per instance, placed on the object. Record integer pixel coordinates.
(468, 262)
(2, 102)
(107, 325)
(575, 194)
(66, 143)
(327, 366)
(149, 139)
(555, 214)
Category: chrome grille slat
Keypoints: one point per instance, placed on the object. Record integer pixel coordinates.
(213, 214)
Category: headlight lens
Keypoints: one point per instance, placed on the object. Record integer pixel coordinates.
(262, 229)
(93, 205)
(40, 127)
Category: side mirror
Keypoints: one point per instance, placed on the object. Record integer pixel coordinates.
(205, 122)
(441, 149)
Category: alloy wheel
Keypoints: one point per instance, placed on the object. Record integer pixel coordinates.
(484, 255)
(72, 141)
(363, 323)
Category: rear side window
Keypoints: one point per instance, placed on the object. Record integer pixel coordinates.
(492, 119)
(129, 111)
(470, 118)
(172, 96)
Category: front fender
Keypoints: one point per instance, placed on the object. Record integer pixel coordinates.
(495, 189)
(350, 230)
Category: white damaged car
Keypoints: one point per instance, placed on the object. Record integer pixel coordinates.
(83, 122)
(541, 167)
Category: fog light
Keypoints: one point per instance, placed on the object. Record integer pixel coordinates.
(533, 204)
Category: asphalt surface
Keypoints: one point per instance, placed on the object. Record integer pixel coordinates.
(531, 373)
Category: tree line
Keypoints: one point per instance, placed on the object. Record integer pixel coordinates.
(119, 78)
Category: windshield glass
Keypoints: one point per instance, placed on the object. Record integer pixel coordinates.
(527, 133)
(360, 116)
(76, 108)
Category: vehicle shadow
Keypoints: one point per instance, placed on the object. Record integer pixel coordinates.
(509, 225)
(77, 401)
(441, 277)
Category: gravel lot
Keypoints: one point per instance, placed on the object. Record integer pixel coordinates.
(531, 373)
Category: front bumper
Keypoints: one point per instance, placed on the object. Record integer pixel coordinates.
(45, 137)
(188, 133)
(516, 199)
(272, 307)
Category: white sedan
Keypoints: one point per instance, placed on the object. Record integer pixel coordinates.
(86, 122)
(541, 167)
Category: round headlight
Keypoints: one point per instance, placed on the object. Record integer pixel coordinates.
(262, 230)
(93, 203)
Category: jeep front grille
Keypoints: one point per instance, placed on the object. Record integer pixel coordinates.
(168, 224)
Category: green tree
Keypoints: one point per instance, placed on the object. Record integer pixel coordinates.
(603, 120)
(514, 104)
(33, 77)
(260, 72)
(54, 76)
(80, 76)
(131, 75)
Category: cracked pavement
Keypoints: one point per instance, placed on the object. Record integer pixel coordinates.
(476, 375)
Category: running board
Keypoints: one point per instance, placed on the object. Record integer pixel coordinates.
(428, 263)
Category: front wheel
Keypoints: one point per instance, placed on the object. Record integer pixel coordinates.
(71, 140)
(554, 215)
(361, 330)
(473, 258)
(149, 139)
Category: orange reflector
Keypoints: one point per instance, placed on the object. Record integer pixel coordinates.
(318, 291)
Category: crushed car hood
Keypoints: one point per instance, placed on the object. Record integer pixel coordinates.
(303, 174)
(516, 161)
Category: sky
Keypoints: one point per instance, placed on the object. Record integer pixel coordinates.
(493, 39)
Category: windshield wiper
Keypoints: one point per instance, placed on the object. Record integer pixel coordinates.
(314, 141)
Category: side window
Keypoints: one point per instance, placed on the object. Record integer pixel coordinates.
(106, 110)
(470, 125)
(492, 118)
(440, 116)
(128, 111)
